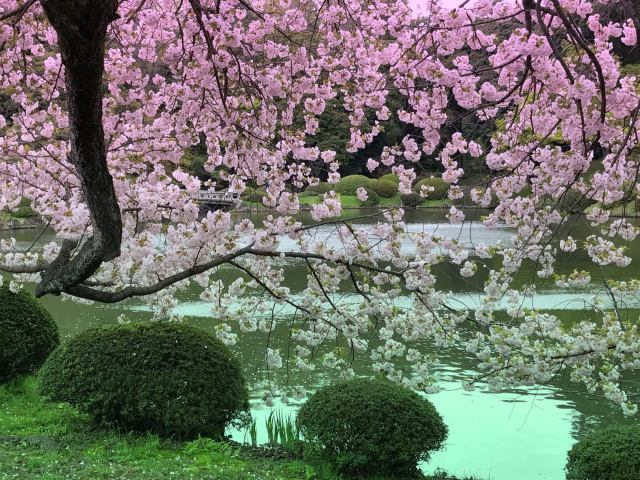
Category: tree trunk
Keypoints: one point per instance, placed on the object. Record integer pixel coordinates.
(81, 26)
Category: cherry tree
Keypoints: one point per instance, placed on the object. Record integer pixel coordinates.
(102, 99)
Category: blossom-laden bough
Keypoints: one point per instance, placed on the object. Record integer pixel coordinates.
(100, 99)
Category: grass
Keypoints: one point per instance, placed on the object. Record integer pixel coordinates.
(40, 440)
(391, 202)
(310, 200)
(47, 441)
(436, 203)
(351, 201)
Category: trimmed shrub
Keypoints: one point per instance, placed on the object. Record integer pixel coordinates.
(384, 188)
(166, 378)
(254, 194)
(320, 188)
(370, 426)
(609, 454)
(28, 334)
(440, 187)
(307, 194)
(349, 185)
(391, 176)
(411, 200)
(372, 199)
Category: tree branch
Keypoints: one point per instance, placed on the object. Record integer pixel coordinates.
(18, 11)
(83, 291)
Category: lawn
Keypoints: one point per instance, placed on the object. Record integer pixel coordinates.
(39, 440)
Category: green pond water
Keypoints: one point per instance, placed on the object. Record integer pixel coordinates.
(522, 434)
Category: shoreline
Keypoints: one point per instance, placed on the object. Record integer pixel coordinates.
(21, 224)
(33, 223)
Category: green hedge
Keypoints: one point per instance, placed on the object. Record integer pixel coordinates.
(372, 199)
(28, 334)
(166, 378)
(384, 188)
(320, 188)
(254, 194)
(307, 194)
(440, 187)
(411, 200)
(609, 454)
(349, 185)
(391, 176)
(364, 426)
(24, 210)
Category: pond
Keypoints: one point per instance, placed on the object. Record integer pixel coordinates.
(522, 434)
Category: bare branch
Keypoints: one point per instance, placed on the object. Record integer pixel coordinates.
(17, 12)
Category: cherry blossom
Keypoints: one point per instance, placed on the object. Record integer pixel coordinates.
(249, 81)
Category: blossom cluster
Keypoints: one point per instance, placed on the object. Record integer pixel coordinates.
(251, 79)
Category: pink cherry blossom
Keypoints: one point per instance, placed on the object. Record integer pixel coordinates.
(248, 84)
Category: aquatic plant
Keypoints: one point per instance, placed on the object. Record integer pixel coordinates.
(282, 431)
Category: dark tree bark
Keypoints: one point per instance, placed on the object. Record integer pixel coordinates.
(81, 26)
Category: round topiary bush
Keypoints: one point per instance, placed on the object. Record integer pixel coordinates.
(28, 334)
(609, 454)
(384, 188)
(166, 378)
(370, 426)
(372, 199)
(440, 187)
(320, 188)
(306, 194)
(349, 185)
(411, 200)
(254, 194)
(391, 176)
